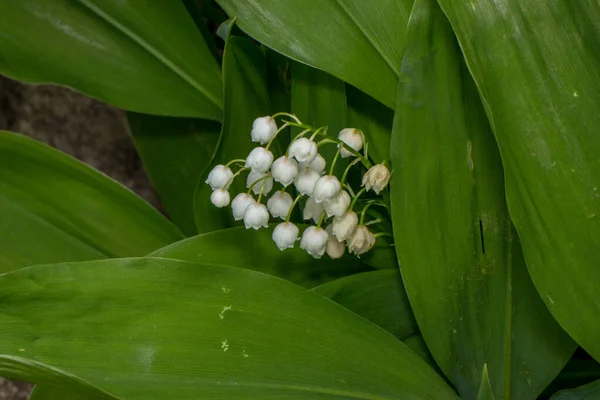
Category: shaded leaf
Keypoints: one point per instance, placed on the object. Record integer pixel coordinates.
(591, 391)
(157, 328)
(54, 208)
(460, 258)
(110, 50)
(485, 390)
(544, 111)
(175, 153)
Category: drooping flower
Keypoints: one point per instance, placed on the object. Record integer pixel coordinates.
(259, 159)
(361, 241)
(312, 209)
(267, 182)
(344, 227)
(263, 129)
(334, 248)
(256, 215)
(240, 203)
(338, 205)
(285, 235)
(376, 178)
(314, 241)
(279, 204)
(305, 181)
(326, 188)
(220, 198)
(219, 177)
(353, 138)
(284, 170)
(318, 164)
(304, 150)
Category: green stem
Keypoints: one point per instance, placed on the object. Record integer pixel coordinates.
(304, 126)
(364, 211)
(292, 116)
(349, 189)
(318, 131)
(282, 127)
(234, 161)
(373, 222)
(230, 181)
(321, 219)
(383, 234)
(335, 158)
(365, 161)
(361, 191)
(256, 182)
(353, 163)
(292, 208)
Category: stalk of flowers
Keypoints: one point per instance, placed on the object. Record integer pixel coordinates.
(329, 199)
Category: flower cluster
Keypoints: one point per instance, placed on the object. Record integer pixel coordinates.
(327, 197)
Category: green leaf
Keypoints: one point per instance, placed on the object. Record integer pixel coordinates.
(485, 390)
(135, 55)
(255, 250)
(590, 391)
(175, 152)
(544, 111)
(354, 41)
(157, 328)
(54, 208)
(460, 258)
(246, 98)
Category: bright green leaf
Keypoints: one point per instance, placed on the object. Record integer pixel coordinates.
(485, 390)
(460, 257)
(246, 98)
(157, 328)
(175, 152)
(591, 391)
(353, 40)
(255, 250)
(54, 208)
(136, 55)
(537, 68)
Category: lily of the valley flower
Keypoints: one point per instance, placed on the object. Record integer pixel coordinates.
(351, 137)
(318, 164)
(334, 248)
(312, 209)
(219, 177)
(376, 178)
(263, 129)
(279, 204)
(305, 181)
(285, 235)
(220, 198)
(259, 159)
(338, 205)
(326, 188)
(344, 227)
(361, 241)
(240, 203)
(314, 241)
(256, 215)
(304, 150)
(284, 170)
(254, 176)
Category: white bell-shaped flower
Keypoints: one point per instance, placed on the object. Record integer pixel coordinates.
(312, 209)
(344, 227)
(361, 241)
(304, 150)
(338, 205)
(314, 241)
(259, 159)
(219, 177)
(256, 215)
(318, 164)
(279, 204)
(305, 181)
(351, 137)
(263, 129)
(376, 178)
(327, 187)
(220, 198)
(284, 170)
(334, 248)
(254, 176)
(240, 203)
(285, 235)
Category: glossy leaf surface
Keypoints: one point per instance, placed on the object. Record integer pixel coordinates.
(140, 56)
(157, 328)
(54, 208)
(460, 258)
(537, 67)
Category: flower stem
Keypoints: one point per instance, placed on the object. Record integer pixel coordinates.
(361, 191)
(234, 161)
(318, 131)
(352, 164)
(321, 219)
(363, 213)
(258, 180)
(349, 189)
(292, 208)
(292, 116)
(383, 234)
(335, 158)
(365, 161)
(230, 181)
(282, 127)
(373, 222)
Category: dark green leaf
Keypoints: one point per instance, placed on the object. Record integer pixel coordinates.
(140, 56)
(460, 258)
(175, 153)
(54, 208)
(157, 328)
(485, 390)
(591, 391)
(537, 67)
(247, 248)
(355, 41)
(246, 98)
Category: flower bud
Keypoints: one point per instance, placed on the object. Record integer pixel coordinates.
(259, 159)
(304, 150)
(344, 227)
(240, 203)
(285, 235)
(279, 204)
(263, 129)
(351, 137)
(220, 198)
(376, 178)
(338, 205)
(219, 177)
(312, 209)
(284, 170)
(361, 241)
(256, 215)
(334, 249)
(318, 164)
(314, 241)
(253, 176)
(305, 181)
(327, 187)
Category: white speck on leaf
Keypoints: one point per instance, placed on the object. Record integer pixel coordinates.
(550, 298)
(575, 94)
(246, 355)
(225, 345)
(21, 349)
(225, 289)
(223, 311)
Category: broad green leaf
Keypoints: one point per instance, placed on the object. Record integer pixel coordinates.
(591, 391)
(50, 393)
(54, 208)
(199, 10)
(246, 98)
(352, 40)
(138, 55)
(537, 68)
(255, 250)
(485, 390)
(158, 328)
(460, 258)
(175, 152)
